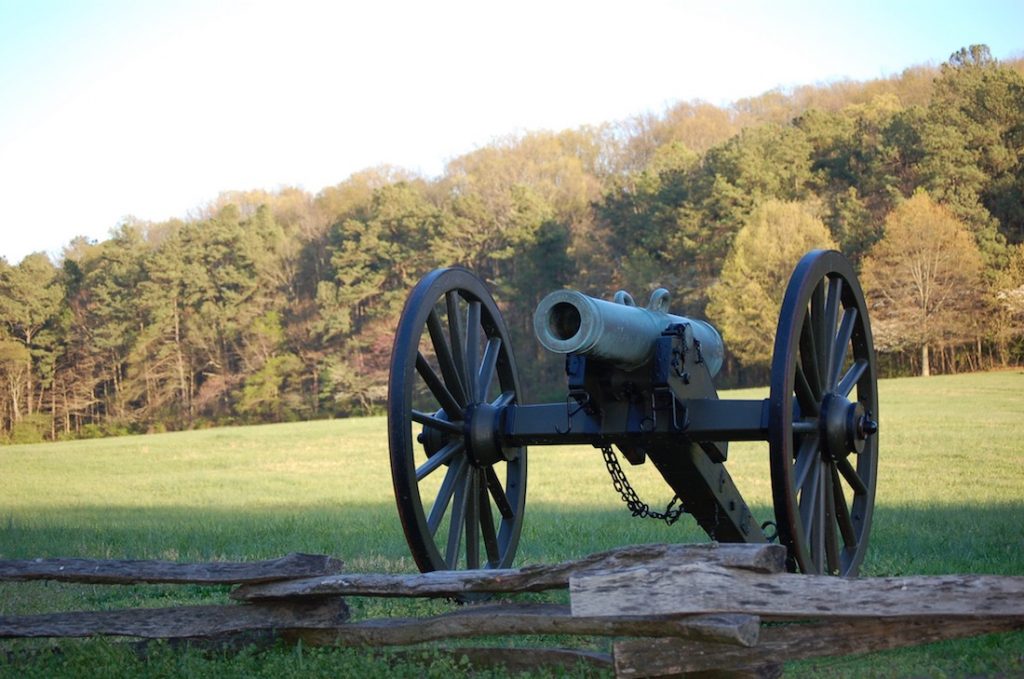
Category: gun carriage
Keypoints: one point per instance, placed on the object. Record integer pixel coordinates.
(639, 380)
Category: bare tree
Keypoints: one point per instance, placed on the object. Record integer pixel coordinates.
(922, 279)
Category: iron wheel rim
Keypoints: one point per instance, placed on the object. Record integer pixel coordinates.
(823, 354)
(482, 505)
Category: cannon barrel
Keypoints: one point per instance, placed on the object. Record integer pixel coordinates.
(619, 332)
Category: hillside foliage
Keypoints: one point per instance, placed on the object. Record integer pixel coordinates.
(274, 306)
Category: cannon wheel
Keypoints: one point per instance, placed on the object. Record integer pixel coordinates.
(460, 495)
(824, 418)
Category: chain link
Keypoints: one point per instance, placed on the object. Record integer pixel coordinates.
(636, 506)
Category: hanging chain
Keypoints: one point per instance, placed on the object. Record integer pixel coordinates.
(636, 506)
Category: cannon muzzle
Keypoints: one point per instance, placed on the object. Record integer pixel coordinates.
(619, 332)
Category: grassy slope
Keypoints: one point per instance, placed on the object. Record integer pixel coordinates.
(950, 499)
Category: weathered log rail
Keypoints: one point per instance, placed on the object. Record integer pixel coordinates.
(671, 609)
(754, 558)
(109, 572)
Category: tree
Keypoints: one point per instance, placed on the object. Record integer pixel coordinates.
(15, 360)
(1007, 304)
(862, 162)
(499, 196)
(224, 293)
(383, 252)
(974, 142)
(767, 163)
(30, 298)
(163, 353)
(266, 392)
(760, 163)
(745, 302)
(697, 125)
(379, 255)
(922, 279)
(107, 296)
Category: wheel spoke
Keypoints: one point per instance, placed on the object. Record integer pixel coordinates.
(445, 361)
(473, 348)
(498, 493)
(812, 484)
(851, 476)
(487, 365)
(851, 377)
(841, 345)
(451, 303)
(457, 522)
(809, 358)
(805, 458)
(830, 321)
(831, 540)
(444, 494)
(473, 521)
(428, 420)
(504, 399)
(817, 314)
(843, 512)
(490, 536)
(438, 388)
(812, 519)
(804, 393)
(439, 458)
(809, 496)
(818, 532)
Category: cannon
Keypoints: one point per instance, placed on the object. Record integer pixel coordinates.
(639, 382)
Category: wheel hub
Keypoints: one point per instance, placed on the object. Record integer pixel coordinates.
(481, 432)
(433, 439)
(845, 426)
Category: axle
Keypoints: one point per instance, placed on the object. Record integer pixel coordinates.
(696, 421)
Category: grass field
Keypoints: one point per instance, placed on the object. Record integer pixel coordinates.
(950, 500)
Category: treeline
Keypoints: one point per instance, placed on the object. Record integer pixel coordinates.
(279, 306)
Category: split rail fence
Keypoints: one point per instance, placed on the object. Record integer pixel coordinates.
(671, 609)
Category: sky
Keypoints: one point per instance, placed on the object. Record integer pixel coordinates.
(112, 109)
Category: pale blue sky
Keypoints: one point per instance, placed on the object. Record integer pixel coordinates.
(133, 107)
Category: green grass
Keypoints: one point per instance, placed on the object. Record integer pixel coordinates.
(950, 500)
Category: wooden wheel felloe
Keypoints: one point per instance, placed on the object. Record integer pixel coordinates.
(824, 418)
(460, 493)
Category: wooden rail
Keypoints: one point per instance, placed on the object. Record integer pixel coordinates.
(672, 608)
(109, 572)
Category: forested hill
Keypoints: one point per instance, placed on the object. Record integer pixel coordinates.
(276, 306)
